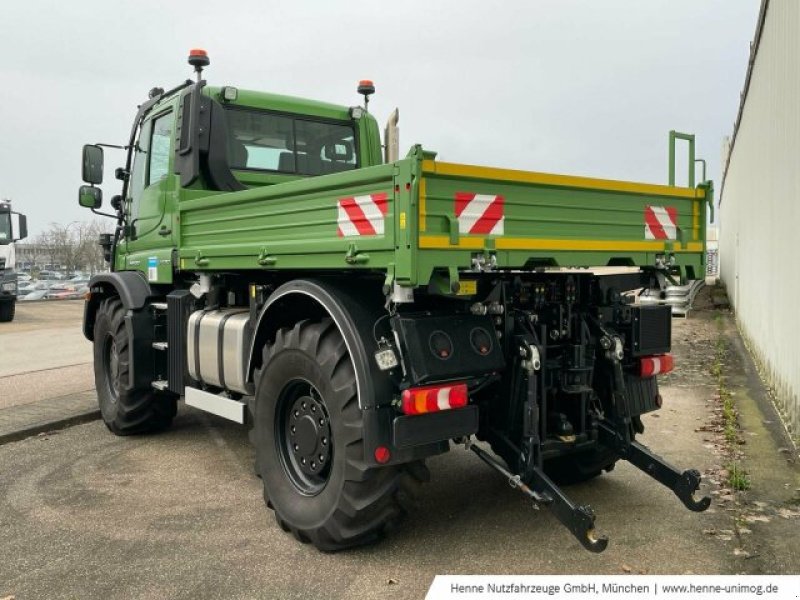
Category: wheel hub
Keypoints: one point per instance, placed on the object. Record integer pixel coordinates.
(309, 434)
(112, 367)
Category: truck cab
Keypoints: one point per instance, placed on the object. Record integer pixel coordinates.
(13, 227)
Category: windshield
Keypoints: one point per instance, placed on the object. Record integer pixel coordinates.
(271, 142)
(5, 228)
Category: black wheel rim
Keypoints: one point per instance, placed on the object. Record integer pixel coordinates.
(303, 436)
(111, 367)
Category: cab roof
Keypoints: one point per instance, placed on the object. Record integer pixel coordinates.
(281, 103)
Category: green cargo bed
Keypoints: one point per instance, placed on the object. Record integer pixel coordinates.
(417, 216)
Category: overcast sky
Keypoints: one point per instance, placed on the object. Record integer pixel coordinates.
(579, 87)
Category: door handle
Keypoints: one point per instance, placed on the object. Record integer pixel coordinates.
(165, 230)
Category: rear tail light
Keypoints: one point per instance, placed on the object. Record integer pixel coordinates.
(656, 365)
(432, 398)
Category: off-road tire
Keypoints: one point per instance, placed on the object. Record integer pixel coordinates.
(124, 411)
(7, 310)
(351, 503)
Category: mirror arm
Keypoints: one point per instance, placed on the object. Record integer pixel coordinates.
(102, 214)
(115, 146)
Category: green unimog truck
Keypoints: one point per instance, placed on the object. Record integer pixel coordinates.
(361, 312)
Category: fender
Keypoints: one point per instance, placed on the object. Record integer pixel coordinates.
(131, 287)
(304, 298)
(354, 309)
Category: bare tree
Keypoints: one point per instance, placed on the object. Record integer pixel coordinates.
(73, 247)
(89, 251)
(50, 243)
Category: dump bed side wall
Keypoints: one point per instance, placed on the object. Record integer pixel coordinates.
(529, 218)
(305, 224)
(414, 216)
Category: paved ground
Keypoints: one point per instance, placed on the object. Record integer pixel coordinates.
(179, 515)
(44, 336)
(46, 375)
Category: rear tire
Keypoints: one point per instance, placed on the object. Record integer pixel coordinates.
(125, 411)
(7, 310)
(308, 435)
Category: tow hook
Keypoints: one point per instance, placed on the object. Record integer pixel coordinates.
(578, 519)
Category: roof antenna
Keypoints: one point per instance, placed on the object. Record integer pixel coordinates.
(366, 88)
(198, 58)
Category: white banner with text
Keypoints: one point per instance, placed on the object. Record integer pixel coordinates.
(625, 587)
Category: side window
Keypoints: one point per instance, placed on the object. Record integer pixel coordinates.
(138, 170)
(264, 141)
(160, 140)
(324, 148)
(260, 141)
(151, 157)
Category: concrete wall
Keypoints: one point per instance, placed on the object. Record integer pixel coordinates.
(760, 211)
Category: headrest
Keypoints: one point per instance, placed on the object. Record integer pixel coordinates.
(339, 151)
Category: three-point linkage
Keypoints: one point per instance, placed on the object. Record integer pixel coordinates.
(613, 431)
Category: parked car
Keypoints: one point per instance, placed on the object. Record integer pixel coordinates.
(25, 287)
(50, 275)
(66, 291)
(35, 295)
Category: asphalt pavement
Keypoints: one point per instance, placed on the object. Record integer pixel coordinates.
(46, 377)
(85, 514)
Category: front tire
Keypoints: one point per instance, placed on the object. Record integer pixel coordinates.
(125, 411)
(308, 434)
(7, 309)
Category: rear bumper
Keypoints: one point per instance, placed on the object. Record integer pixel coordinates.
(416, 430)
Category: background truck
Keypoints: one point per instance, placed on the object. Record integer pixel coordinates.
(13, 227)
(361, 312)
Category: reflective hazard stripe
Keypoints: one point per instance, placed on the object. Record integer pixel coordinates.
(362, 215)
(660, 223)
(480, 213)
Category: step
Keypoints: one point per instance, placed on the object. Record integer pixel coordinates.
(160, 384)
(160, 345)
(158, 305)
(227, 408)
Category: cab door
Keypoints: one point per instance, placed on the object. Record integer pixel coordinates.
(150, 199)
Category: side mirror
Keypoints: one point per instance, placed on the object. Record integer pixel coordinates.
(90, 197)
(22, 227)
(116, 202)
(92, 164)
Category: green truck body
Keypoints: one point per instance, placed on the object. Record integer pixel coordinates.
(272, 266)
(287, 223)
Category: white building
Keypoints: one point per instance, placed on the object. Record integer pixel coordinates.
(760, 204)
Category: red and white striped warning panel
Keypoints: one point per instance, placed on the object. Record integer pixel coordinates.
(480, 213)
(362, 215)
(660, 223)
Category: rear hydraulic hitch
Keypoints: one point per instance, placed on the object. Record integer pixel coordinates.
(683, 484)
(532, 480)
(614, 432)
(578, 519)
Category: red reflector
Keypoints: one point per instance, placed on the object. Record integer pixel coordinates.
(656, 365)
(382, 454)
(417, 401)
